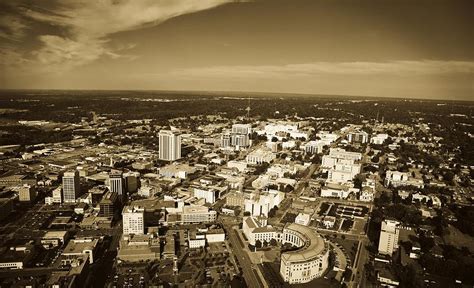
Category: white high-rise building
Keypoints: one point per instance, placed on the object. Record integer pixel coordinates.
(116, 182)
(240, 136)
(389, 237)
(71, 186)
(170, 145)
(241, 129)
(133, 220)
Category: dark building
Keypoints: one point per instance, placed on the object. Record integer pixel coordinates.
(108, 204)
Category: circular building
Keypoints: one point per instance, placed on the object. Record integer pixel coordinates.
(309, 261)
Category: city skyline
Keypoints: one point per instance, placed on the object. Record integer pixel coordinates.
(403, 49)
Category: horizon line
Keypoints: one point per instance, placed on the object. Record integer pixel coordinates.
(262, 93)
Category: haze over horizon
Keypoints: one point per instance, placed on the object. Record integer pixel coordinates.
(403, 49)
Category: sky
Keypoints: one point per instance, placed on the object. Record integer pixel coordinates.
(387, 48)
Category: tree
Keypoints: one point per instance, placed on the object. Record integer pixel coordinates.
(258, 244)
(273, 242)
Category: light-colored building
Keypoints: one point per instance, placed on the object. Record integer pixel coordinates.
(54, 238)
(367, 194)
(389, 234)
(209, 193)
(343, 172)
(303, 219)
(133, 220)
(260, 156)
(256, 229)
(181, 171)
(241, 166)
(358, 137)
(261, 203)
(58, 195)
(397, 178)
(308, 262)
(242, 129)
(215, 235)
(333, 190)
(147, 191)
(198, 214)
(81, 246)
(329, 222)
(116, 182)
(198, 241)
(378, 139)
(138, 248)
(170, 145)
(240, 140)
(27, 193)
(314, 147)
(71, 186)
(235, 198)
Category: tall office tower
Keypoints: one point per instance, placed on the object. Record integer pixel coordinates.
(132, 180)
(27, 193)
(243, 129)
(225, 140)
(240, 135)
(358, 137)
(116, 183)
(389, 237)
(133, 220)
(71, 186)
(108, 204)
(170, 145)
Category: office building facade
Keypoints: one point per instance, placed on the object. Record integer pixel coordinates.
(71, 186)
(170, 145)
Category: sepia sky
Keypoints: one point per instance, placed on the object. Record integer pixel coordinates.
(390, 48)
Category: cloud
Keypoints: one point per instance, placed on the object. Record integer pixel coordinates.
(396, 68)
(87, 26)
(12, 27)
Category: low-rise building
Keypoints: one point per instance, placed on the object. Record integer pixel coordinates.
(82, 246)
(256, 229)
(137, 248)
(308, 262)
(303, 219)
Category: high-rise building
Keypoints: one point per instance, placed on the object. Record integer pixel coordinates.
(131, 181)
(116, 182)
(27, 193)
(170, 145)
(240, 140)
(108, 204)
(71, 186)
(358, 137)
(133, 220)
(389, 237)
(240, 136)
(225, 140)
(241, 129)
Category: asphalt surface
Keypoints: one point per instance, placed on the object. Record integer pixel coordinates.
(244, 260)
